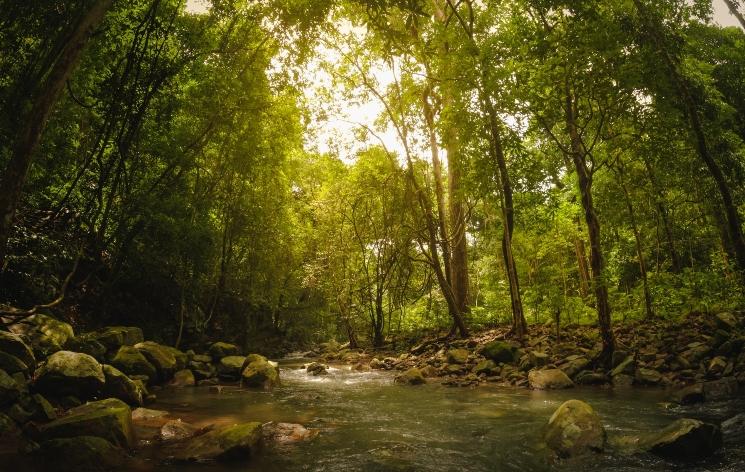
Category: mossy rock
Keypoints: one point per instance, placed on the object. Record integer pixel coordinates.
(132, 362)
(487, 367)
(183, 378)
(118, 385)
(88, 346)
(182, 360)
(11, 364)
(412, 376)
(114, 337)
(549, 379)
(46, 334)
(80, 454)
(8, 426)
(457, 356)
(110, 419)
(160, 357)
(684, 440)
(70, 373)
(220, 349)
(228, 444)
(258, 372)
(14, 345)
(9, 389)
(230, 367)
(575, 429)
(500, 352)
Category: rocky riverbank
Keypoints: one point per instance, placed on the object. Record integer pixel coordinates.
(71, 396)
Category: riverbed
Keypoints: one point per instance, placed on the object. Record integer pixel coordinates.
(368, 423)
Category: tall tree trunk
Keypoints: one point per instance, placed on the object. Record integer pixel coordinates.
(735, 10)
(734, 224)
(584, 272)
(584, 178)
(519, 325)
(638, 242)
(33, 124)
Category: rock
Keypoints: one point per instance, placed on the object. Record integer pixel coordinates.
(549, 379)
(377, 364)
(160, 357)
(232, 443)
(183, 378)
(316, 368)
(202, 370)
(43, 410)
(118, 385)
(114, 337)
(726, 321)
(623, 380)
(181, 358)
(287, 433)
(46, 334)
(590, 378)
(146, 414)
(689, 395)
(87, 345)
(627, 366)
(204, 358)
(412, 376)
(575, 366)
(538, 358)
(177, 430)
(8, 426)
(500, 351)
(619, 355)
(70, 373)
(733, 429)
(487, 367)
(230, 367)
(132, 362)
(219, 350)
(361, 367)
(575, 429)
(722, 389)
(12, 344)
(110, 419)
(258, 372)
(9, 389)
(11, 364)
(429, 371)
(208, 382)
(647, 377)
(80, 454)
(717, 366)
(457, 356)
(685, 439)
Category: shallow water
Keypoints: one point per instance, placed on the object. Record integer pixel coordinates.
(367, 423)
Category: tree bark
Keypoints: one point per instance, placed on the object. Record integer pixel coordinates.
(662, 210)
(33, 125)
(584, 178)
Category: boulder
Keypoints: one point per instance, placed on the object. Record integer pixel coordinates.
(70, 373)
(647, 377)
(114, 337)
(41, 408)
(689, 395)
(202, 370)
(538, 358)
(177, 430)
(574, 366)
(204, 358)
(486, 367)
(591, 378)
(457, 356)
(219, 350)
(230, 367)
(160, 357)
(733, 429)
(12, 344)
(80, 454)
(412, 376)
(46, 334)
(132, 362)
(11, 364)
(118, 385)
(575, 429)
(287, 433)
(685, 439)
(722, 389)
(626, 367)
(500, 352)
(110, 419)
(88, 346)
(182, 360)
(377, 364)
(549, 379)
(183, 378)
(316, 368)
(232, 443)
(258, 372)
(9, 389)
(716, 367)
(429, 371)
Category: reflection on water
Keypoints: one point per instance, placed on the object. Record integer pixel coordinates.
(367, 423)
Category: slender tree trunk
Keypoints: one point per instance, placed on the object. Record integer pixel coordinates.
(584, 178)
(734, 224)
(638, 241)
(734, 9)
(33, 125)
(584, 272)
(662, 210)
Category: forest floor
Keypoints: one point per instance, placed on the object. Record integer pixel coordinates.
(700, 350)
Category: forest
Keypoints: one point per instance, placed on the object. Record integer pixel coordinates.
(473, 193)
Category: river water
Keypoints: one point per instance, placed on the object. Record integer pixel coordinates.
(367, 423)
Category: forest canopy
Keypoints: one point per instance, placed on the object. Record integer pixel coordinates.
(173, 166)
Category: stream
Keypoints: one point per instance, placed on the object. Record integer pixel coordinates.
(367, 423)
